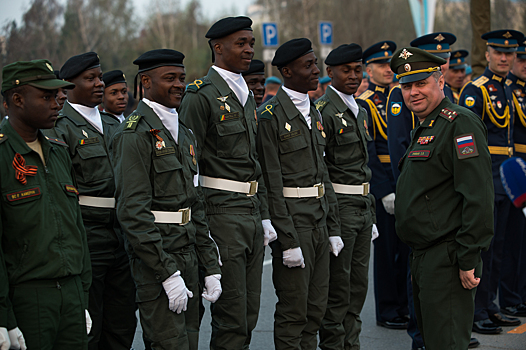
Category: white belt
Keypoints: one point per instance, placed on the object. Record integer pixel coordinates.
(317, 191)
(249, 188)
(97, 202)
(181, 217)
(362, 189)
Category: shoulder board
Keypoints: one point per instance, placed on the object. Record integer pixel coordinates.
(508, 82)
(57, 141)
(196, 85)
(266, 111)
(480, 81)
(448, 114)
(320, 105)
(132, 121)
(3, 138)
(365, 95)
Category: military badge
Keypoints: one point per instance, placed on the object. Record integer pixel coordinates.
(385, 46)
(491, 88)
(439, 37)
(192, 153)
(469, 101)
(405, 54)
(424, 140)
(287, 126)
(365, 126)
(507, 35)
(85, 134)
(396, 108)
(517, 92)
(320, 128)
(376, 99)
(159, 144)
(22, 170)
(49, 67)
(466, 147)
(499, 104)
(407, 67)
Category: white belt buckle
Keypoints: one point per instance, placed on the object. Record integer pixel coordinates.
(253, 188)
(185, 216)
(365, 189)
(321, 190)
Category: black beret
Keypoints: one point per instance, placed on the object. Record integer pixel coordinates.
(159, 58)
(256, 67)
(78, 64)
(113, 77)
(227, 26)
(290, 51)
(57, 73)
(344, 54)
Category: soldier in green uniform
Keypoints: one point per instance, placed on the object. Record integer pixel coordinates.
(346, 158)
(44, 257)
(255, 79)
(87, 132)
(115, 93)
(291, 141)
(160, 209)
(444, 202)
(221, 112)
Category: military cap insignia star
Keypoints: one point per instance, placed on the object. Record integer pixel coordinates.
(49, 67)
(439, 37)
(405, 54)
(507, 35)
(385, 46)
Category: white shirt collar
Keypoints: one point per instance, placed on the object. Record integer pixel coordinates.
(169, 117)
(301, 101)
(236, 82)
(91, 114)
(349, 101)
(120, 116)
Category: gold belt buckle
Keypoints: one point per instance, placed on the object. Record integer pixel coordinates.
(321, 190)
(365, 189)
(253, 188)
(185, 218)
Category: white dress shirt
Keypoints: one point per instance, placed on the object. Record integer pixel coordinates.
(349, 101)
(91, 114)
(236, 83)
(169, 117)
(302, 103)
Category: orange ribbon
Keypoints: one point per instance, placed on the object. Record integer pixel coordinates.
(21, 170)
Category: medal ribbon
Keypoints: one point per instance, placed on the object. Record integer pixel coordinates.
(21, 170)
(155, 133)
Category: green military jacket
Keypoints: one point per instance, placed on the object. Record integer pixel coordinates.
(445, 189)
(346, 154)
(89, 154)
(294, 158)
(154, 175)
(42, 235)
(226, 136)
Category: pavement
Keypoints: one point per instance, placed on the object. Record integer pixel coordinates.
(372, 337)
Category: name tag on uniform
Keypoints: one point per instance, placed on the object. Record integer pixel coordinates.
(229, 116)
(32, 192)
(164, 151)
(89, 140)
(290, 135)
(419, 154)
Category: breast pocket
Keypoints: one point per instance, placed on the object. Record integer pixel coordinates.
(294, 153)
(232, 139)
(168, 177)
(93, 164)
(348, 148)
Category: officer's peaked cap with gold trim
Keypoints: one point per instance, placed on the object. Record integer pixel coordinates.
(504, 40)
(412, 64)
(439, 44)
(379, 53)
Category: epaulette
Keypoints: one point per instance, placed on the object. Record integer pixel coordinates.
(508, 82)
(365, 95)
(448, 114)
(3, 138)
(267, 112)
(57, 141)
(196, 85)
(320, 105)
(132, 121)
(480, 81)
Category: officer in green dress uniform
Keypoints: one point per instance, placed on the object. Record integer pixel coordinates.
(44, 257)
(160, 208)
(291, 141)
(255, 79)
(441, 211)
(491, 99)
(221, 112)
(346, 159)
(87, 132)
(456, 73)
(115, 93)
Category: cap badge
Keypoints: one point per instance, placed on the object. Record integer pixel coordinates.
(49, 67)
(507, 35)
(459, 60)
(385, 46)
(439, 47)
(123, 76)
(17, 82)
(386, 53)
(439, 37)
(458, 54)
(506, 42)
(405, 54)
(407, 67)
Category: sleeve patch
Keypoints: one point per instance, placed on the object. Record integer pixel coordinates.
(466, 146)
(469, 101)
(396, 108)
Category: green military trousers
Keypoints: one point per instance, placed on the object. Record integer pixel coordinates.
(238, 234)
(51, 314)
(165, 329)
(341, 325)
(302, 292)
(444, 309)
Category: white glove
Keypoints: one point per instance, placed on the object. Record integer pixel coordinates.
(218, 255)
(212, 290)
(5, 343)
(375, 233)
(336, 245)
(89, 323)
(293, 258)
(270, 234)
(177, 292)
(388, 202)
(17, 339)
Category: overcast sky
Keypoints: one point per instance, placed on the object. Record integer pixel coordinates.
(212, 9)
